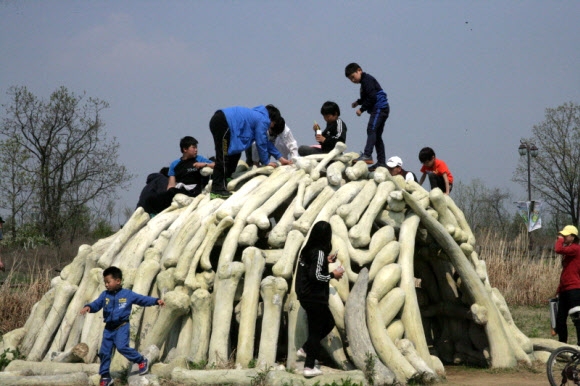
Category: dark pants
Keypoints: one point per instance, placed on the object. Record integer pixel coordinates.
(119, 339)
(156, 204)
(438, 182)
(375, 129)
(320, 323)
(225, 164)
(566, 301)
(309, 150)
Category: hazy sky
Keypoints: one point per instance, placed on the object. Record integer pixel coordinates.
(468, 78)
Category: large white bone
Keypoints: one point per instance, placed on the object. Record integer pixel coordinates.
(304, 223)
(272, 290)
(361, 347)
(78, 301)
(73, 272)
(132, 253)
(343, 195)
(232, 206)
(341, 243)
(352, 211)
(254, 264)
(285, 265)
(176, 305)
(264, 170)
(74, 354)
(193, 249)
(261, 194)
(211, 238)
(386, 349)
(93, 325)
(261, 214)
(249, 236)
(50, 368)
(179, 244)
(36, 318)
(334, 173)
(64, 292)
(358, 171)
(408, 350)
(387, 255)
(338, 149)
(278, 234)
(411, 315)
(229, 276)
(131, 227)
(360, 234)
(201, 308)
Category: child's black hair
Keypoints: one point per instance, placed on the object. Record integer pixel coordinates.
(330, 107)
(276, 117)
(165, 171)
(279, 126)
(351, 69)
(186, 142)
(115, 272)
(426, 154)
(320, 238)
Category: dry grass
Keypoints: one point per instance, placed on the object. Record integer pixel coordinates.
(523, 280)
(27, 279)
(17, 298)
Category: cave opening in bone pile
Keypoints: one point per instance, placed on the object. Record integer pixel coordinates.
(415, 295)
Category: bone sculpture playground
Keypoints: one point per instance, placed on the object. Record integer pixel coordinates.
(414, 294)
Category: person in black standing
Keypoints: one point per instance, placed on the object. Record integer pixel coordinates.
(312, 289)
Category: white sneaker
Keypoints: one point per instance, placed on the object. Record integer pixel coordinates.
(300, 354)
(309, 373)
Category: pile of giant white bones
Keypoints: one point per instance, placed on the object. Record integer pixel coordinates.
(414, 294)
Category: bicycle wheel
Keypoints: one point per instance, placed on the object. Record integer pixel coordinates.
(562, 367)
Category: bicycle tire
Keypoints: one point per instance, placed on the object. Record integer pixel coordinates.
(562, 365)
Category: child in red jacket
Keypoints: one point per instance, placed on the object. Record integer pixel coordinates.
(568, 291)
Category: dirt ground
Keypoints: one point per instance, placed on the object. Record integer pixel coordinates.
(461, 376)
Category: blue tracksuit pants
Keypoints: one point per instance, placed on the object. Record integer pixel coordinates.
(119, 339)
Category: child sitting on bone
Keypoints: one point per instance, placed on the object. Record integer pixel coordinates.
(334, 132)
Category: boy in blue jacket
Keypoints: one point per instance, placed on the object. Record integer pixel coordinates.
(373, 99)
(116, 303)
(234, 129)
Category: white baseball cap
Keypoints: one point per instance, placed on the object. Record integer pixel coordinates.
(395, 161)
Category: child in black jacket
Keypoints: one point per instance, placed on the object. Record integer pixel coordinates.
(312, 290)
(334, 132)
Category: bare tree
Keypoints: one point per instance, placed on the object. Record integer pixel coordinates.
(16, 185)
(484, 208)
(71, 160)
(556, 169)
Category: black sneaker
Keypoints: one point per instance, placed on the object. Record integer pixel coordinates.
(368, 160)
(222, 194)
(374, 167)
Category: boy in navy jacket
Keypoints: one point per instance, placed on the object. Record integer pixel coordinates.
(116, 303)
(373, 99)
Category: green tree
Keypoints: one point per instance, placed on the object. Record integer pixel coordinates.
(556, 169)
(72, 161)
(484, 208)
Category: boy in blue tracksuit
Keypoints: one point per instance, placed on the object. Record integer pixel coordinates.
(116, 303)
(234, 129)
(373, 99)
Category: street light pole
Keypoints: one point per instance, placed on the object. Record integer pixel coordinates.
(528, 149)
